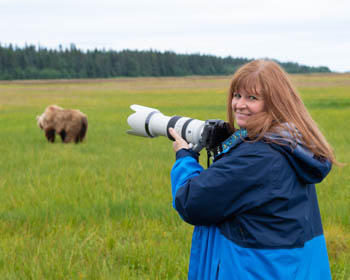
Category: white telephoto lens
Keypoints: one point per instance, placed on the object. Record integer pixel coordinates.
(138, 120)
(157, 125)
(194, 131)
(150, 122)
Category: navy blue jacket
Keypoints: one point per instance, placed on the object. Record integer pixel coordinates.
(255, 212)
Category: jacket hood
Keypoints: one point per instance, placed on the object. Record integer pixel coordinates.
(309, 168)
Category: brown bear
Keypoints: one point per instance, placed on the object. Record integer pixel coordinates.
(70, 124)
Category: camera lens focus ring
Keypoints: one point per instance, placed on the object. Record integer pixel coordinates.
(171, 124)
(183, 131)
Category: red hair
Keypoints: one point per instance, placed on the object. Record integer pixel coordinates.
(283, 105)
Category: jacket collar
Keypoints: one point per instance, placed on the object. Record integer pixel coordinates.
(230, 142)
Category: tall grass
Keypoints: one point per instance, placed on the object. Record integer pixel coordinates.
(102, 209)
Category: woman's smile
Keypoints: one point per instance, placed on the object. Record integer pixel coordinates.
(245, 105)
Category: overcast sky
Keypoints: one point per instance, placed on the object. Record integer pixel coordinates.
(308, 32)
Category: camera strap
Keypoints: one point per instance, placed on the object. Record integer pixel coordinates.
(208, 158)
(226, 145)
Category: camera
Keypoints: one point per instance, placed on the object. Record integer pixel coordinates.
(150, 122)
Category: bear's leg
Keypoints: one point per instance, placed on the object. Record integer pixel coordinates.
(78, 138)
(63, 135)
(82, 132)
(69, 137)
(50, 135)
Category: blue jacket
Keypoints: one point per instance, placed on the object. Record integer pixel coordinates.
(255, 212)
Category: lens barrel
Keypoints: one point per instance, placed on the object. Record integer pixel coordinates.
(150, 122)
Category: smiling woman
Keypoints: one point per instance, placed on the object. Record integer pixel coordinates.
(255, 209)
(245, 105)
(275, 107)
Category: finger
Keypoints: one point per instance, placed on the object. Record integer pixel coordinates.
(174, 134)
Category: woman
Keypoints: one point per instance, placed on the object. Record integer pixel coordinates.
(255, 208)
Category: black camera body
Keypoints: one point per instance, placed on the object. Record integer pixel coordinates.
(214, 133)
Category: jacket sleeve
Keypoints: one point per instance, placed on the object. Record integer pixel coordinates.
(233, 184)
(185, 167)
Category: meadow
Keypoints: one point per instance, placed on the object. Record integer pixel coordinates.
(103, 209)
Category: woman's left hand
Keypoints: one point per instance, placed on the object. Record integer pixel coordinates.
(179, 142)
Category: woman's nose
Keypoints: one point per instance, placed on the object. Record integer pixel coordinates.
(241, 103)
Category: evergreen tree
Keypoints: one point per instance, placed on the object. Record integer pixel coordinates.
(33, 62)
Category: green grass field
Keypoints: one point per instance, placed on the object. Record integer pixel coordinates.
(102, 209)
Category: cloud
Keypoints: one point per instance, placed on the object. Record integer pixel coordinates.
(310, 32)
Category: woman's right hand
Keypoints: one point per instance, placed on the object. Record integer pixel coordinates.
(179, 142)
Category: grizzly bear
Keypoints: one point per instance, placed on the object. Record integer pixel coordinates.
(70, 124)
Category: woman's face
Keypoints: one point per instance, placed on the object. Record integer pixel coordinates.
(245, 105)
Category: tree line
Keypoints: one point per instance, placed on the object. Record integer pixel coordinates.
(32, 62)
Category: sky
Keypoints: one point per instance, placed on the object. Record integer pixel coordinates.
(309, 32)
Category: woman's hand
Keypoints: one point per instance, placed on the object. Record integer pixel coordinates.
(179, 142)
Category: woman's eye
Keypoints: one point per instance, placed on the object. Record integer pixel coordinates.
(252, 97)
(236, 95)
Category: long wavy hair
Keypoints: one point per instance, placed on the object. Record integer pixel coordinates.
(284, 109)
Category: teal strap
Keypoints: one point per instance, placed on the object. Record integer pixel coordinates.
(236, 137)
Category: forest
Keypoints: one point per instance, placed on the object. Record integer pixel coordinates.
(31, 62)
